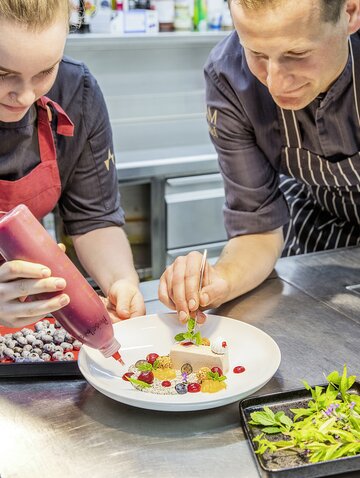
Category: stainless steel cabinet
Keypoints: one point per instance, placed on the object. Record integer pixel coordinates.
(194, 216)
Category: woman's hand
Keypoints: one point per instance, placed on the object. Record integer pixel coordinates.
(124, 301)
(179, 287)
(20, 279)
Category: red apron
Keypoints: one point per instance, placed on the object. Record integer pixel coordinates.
(40, 189)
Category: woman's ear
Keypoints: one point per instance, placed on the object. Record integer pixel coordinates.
(352, 9)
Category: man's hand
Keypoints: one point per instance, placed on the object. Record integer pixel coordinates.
(179, 287)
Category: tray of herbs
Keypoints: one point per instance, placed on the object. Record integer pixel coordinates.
(306, 433)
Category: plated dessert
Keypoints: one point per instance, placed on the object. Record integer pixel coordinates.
(194, 364)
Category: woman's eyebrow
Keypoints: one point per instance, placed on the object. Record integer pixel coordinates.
(2, 68)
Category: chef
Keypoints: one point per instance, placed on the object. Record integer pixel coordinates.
(283, 107)
(56, 149)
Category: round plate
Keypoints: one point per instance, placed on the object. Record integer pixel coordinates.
(248, 346)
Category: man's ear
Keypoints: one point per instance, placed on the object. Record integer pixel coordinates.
(352, 9)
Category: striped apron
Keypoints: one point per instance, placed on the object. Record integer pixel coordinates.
(323, 197)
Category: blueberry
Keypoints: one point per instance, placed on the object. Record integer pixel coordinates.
(30, 338)
(58, 356)
(8, 352)
(69, 356)
(20, 360)
(66, 346)
(11, 343)
(15, 335)
(22, 341)
(39, 326)
(27, 347)
(33, 357)
(8, 336)
(2, 339)
(18, 349)
(46, 338)
(77, 344)
(26, 331)
(69, 338)
(25, 353)
(46, 322)
(59, 338)
(45, 357)
(36, 350)
(49, 348)
(38, 343)
(181, 388)
(58, 349)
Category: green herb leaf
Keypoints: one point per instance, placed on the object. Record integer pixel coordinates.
(144, 367)
(138, 382)
(179, 337)
(328, 428)
(271, 430)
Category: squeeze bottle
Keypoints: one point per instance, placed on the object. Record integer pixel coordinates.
(22, 237)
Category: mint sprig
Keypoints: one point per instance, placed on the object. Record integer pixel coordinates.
(327, 429)
(190, 334)
(216, 377)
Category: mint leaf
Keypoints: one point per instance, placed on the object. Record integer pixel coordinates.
(190, 324)
(144, 367)
(179, 337)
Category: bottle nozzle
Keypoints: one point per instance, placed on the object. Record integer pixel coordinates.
(117, 357)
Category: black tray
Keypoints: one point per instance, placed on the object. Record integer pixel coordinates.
(283, 401)
(40, 369)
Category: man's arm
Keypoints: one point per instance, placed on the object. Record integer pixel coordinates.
(245, 262)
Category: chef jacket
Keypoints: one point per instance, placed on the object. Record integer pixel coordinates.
(90, 197)
(244, 128)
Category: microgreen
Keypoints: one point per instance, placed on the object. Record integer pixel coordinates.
(144, 367)
(190, 335)
(215, 376)
(140, 383)
(327, 429)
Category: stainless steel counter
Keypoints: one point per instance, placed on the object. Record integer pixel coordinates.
(56, 427)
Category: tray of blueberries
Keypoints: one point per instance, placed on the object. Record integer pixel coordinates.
(42, 349)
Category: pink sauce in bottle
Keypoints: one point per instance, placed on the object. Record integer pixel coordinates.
(22, 237)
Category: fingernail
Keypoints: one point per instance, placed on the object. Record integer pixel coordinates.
(45, 272)
(60, 283)
(64, 299)
(183, 316)
(192, 304)
(204, 299)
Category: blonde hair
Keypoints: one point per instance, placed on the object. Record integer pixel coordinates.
(35, 14)
(330, 9)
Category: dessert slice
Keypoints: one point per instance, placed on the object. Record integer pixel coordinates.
(197, 356)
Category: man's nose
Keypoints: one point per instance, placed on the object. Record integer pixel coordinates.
(279, 79)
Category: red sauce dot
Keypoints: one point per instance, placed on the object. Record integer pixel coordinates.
(186, 344)
(194, 387)
(166, 383)
(126, 375)
(239, 369)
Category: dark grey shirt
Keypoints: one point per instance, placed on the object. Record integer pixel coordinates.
(90, 197)
(244, 127)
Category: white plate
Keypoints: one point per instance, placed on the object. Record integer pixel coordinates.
(248, 346)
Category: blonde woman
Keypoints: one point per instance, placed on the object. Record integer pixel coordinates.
(56, 148)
